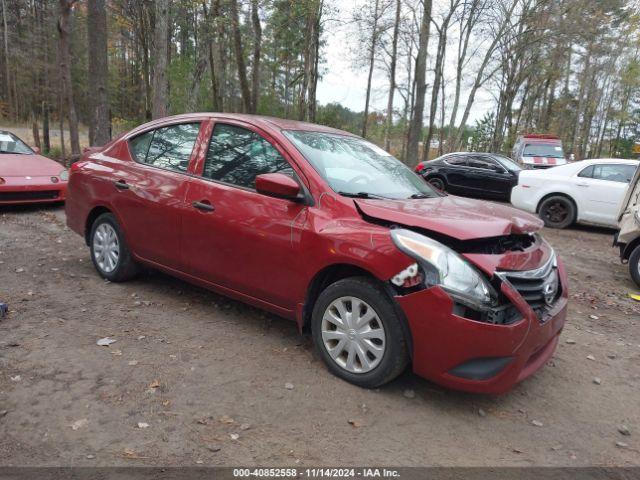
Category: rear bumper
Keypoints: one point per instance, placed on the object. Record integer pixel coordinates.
(523, 198)
(475, 356)
(34, 191)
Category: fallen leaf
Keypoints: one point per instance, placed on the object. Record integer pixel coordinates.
(355, 423)
(78, 424)
(106, 341)
(226, 419)
(154, 384)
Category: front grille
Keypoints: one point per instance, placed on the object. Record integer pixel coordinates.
(540, 288)
(23, 196)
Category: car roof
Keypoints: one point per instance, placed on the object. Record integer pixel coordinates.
(258, 120)
(592, 161)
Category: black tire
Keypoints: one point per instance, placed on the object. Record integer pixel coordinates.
(634, 265)
(557, 212)
(438, 183)
(395, 356)
(125, 267)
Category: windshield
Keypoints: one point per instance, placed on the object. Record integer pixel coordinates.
(9, 143)
(354, 167)
(543, 150)
(507, 163)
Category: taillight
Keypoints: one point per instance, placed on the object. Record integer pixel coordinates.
(419, 167)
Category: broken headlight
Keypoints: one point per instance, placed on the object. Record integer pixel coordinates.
(444, 267)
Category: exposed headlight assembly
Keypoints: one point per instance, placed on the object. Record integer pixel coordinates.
(64, 175)
(444, 267)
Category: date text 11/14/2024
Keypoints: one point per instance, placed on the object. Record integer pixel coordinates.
(316, 472)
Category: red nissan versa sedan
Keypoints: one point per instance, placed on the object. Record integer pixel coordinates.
(324, 228)
(26, 176)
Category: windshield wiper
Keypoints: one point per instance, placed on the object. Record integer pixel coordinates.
(363, 195)
(420, 195)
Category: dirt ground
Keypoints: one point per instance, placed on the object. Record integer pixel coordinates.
(207, 375)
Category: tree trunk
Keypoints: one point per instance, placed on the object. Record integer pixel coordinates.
(463, 46)
(65, 75)
(35, 132)
(314, 50)
(214, 38)
(415, 124)
(392, 77)
(480, 76)
(98, 71)
(372, 57)
(442, 45)
(257, 45)
(239, 51)
(46, 138)
(160, 107)
(7, 61)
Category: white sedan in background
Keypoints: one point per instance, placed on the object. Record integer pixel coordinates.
(589, 192)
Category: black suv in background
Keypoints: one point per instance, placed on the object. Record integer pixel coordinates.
(483, 175)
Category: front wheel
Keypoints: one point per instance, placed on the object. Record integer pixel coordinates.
(557, 212)
(358, 332)
(634, 265)
(109, 251)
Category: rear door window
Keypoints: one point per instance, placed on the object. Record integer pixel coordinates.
(456, 161)
(237, 156)
(614, 173)
(483, 163)
(139, 146)
(168, 147)
(587, 172)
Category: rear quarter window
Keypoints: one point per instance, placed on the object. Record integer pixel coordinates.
(168, 147)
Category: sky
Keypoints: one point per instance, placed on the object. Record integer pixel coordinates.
(346, 84)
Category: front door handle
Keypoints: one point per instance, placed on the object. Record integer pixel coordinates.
(122, 185)
(203, 205)
(582, 184)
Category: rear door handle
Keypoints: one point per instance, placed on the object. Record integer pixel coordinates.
(122, 185)
(203, 205)
(582, 184)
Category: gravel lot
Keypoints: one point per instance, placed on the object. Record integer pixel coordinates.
(194, 378)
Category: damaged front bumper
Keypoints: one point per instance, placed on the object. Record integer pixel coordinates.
(477, 356)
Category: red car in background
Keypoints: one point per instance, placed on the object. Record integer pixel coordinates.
(26, 176)
(322, 227)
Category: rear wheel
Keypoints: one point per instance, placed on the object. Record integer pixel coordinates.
(109, 251)
(438, 183)
(634, 265)
(557, 212)
(358, 332)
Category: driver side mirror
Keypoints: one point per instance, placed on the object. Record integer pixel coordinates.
(278, 185)
(36, 150)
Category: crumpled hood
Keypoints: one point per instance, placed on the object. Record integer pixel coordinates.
(457, 217)
(16, 165)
